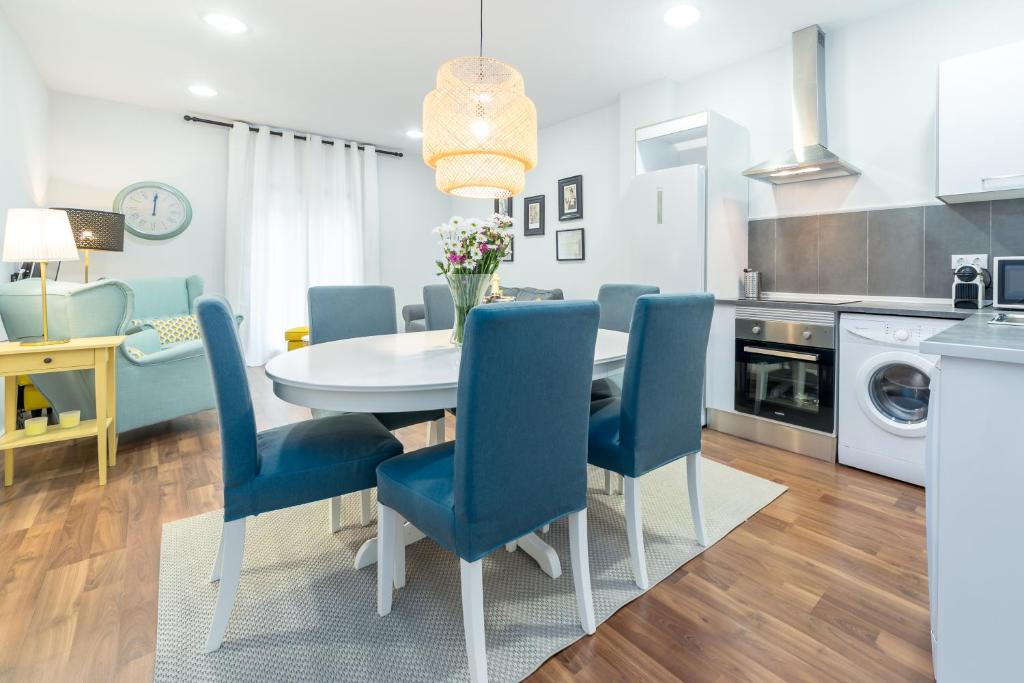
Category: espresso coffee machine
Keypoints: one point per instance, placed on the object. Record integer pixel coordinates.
(969, 285)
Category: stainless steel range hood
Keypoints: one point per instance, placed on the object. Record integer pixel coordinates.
(810, 158)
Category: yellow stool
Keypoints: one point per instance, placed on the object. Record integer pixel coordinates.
(297, 337)
(32, 398)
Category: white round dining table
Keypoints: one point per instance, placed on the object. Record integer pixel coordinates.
(398, 373)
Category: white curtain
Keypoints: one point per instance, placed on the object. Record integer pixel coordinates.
(299, 213)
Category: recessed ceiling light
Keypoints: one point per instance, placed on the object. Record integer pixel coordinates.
(225, 23)
(414, 133)
(200, 90)
(682, 16)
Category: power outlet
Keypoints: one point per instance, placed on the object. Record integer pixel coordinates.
(976, 260)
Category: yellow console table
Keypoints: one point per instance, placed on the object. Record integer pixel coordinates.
(85, 353)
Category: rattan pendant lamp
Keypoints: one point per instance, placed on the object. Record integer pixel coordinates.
(479, 127)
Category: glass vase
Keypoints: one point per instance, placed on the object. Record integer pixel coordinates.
(467, 291)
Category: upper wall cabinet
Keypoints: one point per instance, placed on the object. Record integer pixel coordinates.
(981, 126)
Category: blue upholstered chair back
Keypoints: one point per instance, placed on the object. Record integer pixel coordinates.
(231, 388)
(438, 307)
(521, 436)
(617, 304)
(663, 382)
(352, 311)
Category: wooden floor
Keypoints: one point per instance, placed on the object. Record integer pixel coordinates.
(827, 583)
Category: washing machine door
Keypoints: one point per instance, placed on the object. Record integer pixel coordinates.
(893, 390)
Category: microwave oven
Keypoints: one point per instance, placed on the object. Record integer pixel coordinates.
(1008, 282)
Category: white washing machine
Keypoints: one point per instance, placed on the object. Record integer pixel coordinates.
(883, 393)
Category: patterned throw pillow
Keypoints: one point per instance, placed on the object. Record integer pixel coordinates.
(173, 330)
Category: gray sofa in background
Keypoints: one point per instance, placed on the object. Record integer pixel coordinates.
(437, 312)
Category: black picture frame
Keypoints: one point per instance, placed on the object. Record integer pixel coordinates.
(503, 206)
(537, 200)
(558, 245)
(570, 198)
(510, 255)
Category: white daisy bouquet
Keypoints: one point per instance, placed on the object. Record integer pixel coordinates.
(472, 246)
(473, 250)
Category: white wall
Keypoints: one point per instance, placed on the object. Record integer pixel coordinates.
(410, 207)
(23, 104)
(586, 145)
(881, 79)
(22, 127)
(97, 147)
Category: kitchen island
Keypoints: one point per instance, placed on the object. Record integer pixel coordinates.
(974, 484)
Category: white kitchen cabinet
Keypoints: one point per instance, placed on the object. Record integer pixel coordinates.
(721, 368)
(981, 125)
(975, 476)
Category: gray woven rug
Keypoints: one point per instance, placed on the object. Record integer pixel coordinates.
(304, 614)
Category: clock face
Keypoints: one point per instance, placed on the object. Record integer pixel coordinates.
(153, 211)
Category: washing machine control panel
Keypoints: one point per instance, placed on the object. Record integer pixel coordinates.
(897, 332)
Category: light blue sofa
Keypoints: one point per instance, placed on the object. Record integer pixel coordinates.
(163, 384)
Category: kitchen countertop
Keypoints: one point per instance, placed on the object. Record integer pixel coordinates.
(975, 338)
(902, 308)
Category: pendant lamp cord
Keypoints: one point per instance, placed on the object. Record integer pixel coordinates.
(481, 28)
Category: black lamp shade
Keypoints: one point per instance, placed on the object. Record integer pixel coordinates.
(99, 230)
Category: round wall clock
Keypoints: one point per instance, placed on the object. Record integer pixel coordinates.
(153, 211)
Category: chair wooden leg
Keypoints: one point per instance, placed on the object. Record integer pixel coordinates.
(335, 503)
(387, 539)
(364, 507)
(580, 558)
(635, 532)
(473, 618)
(399, 579)
(233, 547)
(215, 572)
(435, 431)
(693, 483)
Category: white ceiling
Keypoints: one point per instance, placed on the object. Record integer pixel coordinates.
(360, 68)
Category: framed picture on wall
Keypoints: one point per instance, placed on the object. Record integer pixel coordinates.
(570, 198)
(533, 210)
(503, 206)
(510, 254)
(569, 245)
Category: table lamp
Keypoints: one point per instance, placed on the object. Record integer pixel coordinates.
(96, 231)
(41, 235)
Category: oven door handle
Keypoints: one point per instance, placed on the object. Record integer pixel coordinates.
(809, 357)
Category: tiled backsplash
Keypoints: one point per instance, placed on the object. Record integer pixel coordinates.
(888, 252)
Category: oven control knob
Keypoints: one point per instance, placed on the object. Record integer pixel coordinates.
(756, 329)
(901, 335)
(807, 334)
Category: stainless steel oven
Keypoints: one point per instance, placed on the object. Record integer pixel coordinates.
(786, 369)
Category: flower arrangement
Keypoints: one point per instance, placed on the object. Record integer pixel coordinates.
(473, 250)
(473, 246)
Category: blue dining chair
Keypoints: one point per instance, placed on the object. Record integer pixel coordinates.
(363, 311)
(658, 418)
(276, 468)
(616, 302)
(438, 307)
(508, 472)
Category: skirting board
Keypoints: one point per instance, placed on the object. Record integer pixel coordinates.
(803, 441)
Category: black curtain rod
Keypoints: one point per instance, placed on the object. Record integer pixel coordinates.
(254, 129)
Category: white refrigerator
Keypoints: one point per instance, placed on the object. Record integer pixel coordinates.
(666, 217)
